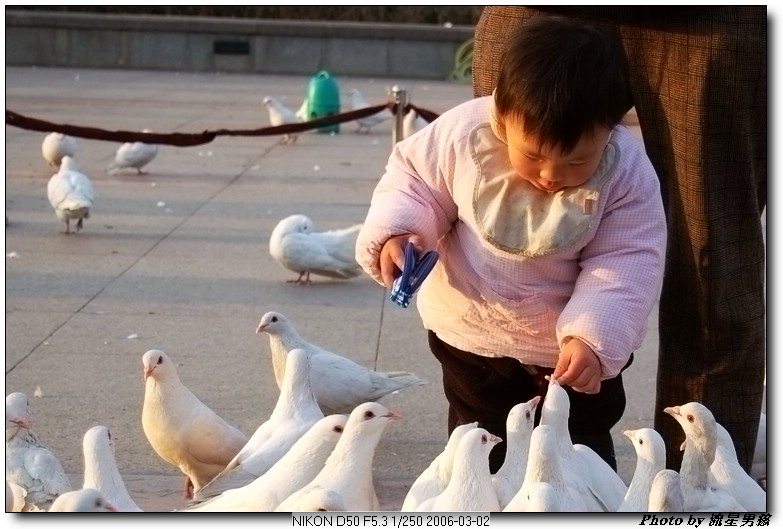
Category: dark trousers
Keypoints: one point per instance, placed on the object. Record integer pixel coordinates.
(699, 82)
(485, 389)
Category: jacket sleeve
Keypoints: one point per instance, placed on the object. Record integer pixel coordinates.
(412, 197)
(621, 270)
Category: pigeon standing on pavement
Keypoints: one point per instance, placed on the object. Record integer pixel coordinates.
(295, 412)
(349, 468)
(56, 145)
(279, 114)
(700, 489)
(294, 470)
(666, 492)
(101, 472)
(30, 466)
(729, 473)
(134, 155)
(71, 194)
(470, 488)
(436, 476)
(650, 459)
(82, 500)
(298, 247)
(519, 427)
(366, 123)
(412, 123)
(339, 384)
(181, 429)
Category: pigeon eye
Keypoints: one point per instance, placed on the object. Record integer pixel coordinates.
(483, 439)
(369, 415)
(641, 441)
(160, 360)
(321, 509)
(527, 415)
(690, 418)
(338, 429)
(274, 319)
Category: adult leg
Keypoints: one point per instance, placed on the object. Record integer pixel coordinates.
(700, 93)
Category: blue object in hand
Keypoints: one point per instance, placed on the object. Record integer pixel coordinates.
(413, 274)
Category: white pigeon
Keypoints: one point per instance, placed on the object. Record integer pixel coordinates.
(29, 465)
(412, 123)
(279, 114)
(650, 459)
(348, 469)
(303, 112)
(729, 473)
(56, 145)
(366, 123)
(519, 427)
(101, 472)
(666, 492)
(470, 488)
(759, 469)
(181, 429)
(701, 491)
(339, 384)
(436, 476)
(313, 499)
(604, 490)
(294, 413)
(71, 194)
(296, 245)
(294, 470)
(545, 465)
(134, 155)
(82, 500)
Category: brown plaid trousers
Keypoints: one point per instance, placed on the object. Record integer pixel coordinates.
(699, 82)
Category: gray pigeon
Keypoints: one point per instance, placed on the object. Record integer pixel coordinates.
(339, 384)
(29, 465)
(296, 245)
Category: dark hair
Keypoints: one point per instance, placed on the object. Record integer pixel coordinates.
(563, 78)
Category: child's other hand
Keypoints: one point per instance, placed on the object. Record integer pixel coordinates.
(392, 257)
(578, 367)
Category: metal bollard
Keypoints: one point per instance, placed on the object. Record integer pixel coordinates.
(400, 97)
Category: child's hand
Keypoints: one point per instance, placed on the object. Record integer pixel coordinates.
(578, 367)
(392, 257)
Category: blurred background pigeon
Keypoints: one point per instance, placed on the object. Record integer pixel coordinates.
(279, 114)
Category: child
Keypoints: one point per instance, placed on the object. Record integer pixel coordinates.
(548, 219)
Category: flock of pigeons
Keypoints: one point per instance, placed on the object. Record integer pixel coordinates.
(72, 194)
(279, 114)
(315, 451)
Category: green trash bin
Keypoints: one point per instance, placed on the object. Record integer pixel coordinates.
(323, 99)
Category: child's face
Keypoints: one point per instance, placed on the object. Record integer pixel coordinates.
(551, 169)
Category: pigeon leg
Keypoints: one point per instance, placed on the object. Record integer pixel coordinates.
(297, 280)
(187, 491)
(79, 225)
(67, 227)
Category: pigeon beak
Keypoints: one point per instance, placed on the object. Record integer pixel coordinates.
(627, 433)
(674, 411)
(20, 422)
(148, 371)
(393, 415)
(495, 439)
(260, 328)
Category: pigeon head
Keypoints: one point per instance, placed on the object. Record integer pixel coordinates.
(292, 224)
(522, 416)
(98, 436)
(17, 411)
(157, 365)
(68, 164)
(272, 323)
(82, 500)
